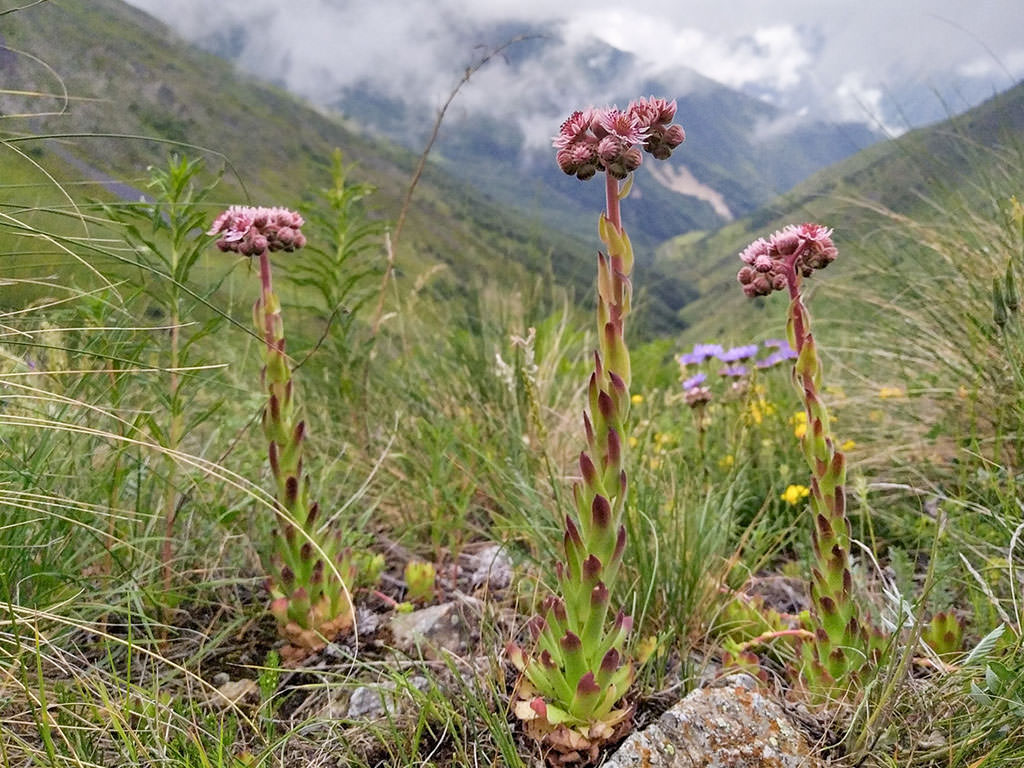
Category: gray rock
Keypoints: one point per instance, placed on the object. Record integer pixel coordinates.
(373, 701)
(367, 622)
(490, 566)
(718, 728)
(432, 631)
(367, 701)
(737, 679)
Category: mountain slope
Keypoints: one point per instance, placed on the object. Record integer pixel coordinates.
(972, 159)
(741, 151)
(129, 76)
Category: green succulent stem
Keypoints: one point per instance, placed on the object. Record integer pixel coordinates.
(579, 667)
(837, 659)
(309, 594)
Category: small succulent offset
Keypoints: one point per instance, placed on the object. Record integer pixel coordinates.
(840, 657)
(420, 581)
(310, 570)
(944, 634)
(570, 694)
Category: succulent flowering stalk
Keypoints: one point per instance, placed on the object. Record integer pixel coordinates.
(845, 644)
(309, 567)
(570, 695)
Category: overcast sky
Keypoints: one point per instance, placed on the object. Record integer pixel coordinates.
(870, 60)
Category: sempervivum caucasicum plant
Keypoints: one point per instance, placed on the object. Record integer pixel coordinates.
(842, 646)
(570, 695)
(310, 570)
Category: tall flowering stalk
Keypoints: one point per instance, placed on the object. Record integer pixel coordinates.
(309, 566)
(570, 695)
(845, 644)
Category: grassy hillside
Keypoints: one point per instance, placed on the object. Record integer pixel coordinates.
(972, 160)
(99, 90)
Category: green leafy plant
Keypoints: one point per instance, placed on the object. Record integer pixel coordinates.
(165, 236)
(343, 272)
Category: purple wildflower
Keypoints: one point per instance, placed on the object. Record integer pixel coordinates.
(700, 353)
(707, 350)
(695, 381)
(737, 354)
(736, 371)
(779, 356)
(776, 343)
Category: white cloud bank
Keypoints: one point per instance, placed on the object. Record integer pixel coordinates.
(830, 59)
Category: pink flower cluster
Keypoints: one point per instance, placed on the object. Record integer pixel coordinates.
(248, 230)
(606, 139)
(794, 250)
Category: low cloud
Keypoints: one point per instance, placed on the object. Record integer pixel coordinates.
(833, 60)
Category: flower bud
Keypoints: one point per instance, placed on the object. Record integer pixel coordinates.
(786, 242)
(565, 161)
(998, 304)
(674, 136)
(610, 149)
(661, 151)
(632, 158)
(617, 171)
(1010, 295)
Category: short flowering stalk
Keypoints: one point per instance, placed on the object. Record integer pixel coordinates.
(845, 644)
(570, 696)
(309, 595)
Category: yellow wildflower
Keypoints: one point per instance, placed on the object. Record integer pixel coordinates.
(654, 462)
(887, 392)
(849, 445)
(633, 441)
(637, 399)
(760, 408)
(799, 422)
(726, 461)
(794, 493)
(756, 415)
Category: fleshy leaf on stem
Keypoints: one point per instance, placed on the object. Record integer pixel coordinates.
(588, 656)
(840, 654)
(309, 595)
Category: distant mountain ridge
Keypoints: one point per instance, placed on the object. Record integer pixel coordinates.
(740, 151)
